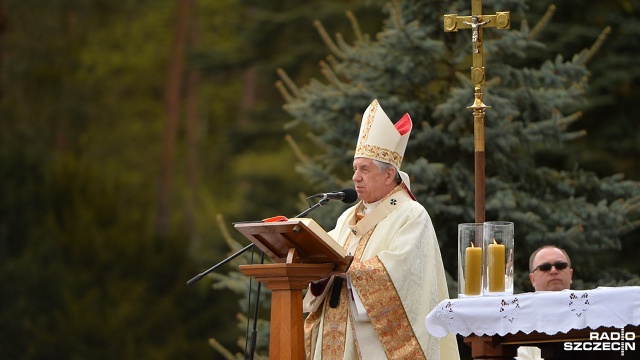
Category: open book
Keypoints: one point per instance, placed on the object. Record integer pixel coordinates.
(319, 232)
(311, 242)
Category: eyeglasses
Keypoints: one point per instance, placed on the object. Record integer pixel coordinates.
(559, 265)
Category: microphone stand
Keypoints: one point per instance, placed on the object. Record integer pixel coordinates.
(320, 203)
(252, 339)
(203, 274)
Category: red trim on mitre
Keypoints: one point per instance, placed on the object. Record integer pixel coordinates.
(404, 125)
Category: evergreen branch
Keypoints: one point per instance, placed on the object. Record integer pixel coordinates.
(574, 231)
(318, 143)
(568, 120)
(493, 82)
(221, 349)
(632, 205)
(630, 227)
(462, 78)
(331, 60)
(284, 93)
(395, 13)
(589, 53)
(340, 41)
(524, 27)
(328, 41)
(575, 135)
(355, 25)
(542, 128)
(330, 75)
(291, 124)
(293, 88)
(295, 148)
(542, 23)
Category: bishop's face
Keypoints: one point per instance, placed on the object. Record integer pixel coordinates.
(549, 278)
(371, 184)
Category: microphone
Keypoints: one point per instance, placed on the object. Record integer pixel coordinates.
(345, 195)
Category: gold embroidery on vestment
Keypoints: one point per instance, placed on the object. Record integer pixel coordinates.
(309, 323)
(334, 328)
(385, 310)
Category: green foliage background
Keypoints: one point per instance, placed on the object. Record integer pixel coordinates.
(84, 273)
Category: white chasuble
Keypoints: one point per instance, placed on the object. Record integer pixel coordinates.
(398, 276)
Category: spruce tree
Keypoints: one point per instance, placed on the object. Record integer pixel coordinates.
(413, 66)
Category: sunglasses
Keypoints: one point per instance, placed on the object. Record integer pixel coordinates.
(559, 265)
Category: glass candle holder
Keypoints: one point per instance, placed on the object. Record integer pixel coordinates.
(498, 258)
(470, 259)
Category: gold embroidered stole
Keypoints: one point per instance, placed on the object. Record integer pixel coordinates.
(335, 319)
(381, 299)
(334, 325)
(385, 310)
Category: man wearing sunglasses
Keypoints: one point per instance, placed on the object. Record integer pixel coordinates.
(550, 269)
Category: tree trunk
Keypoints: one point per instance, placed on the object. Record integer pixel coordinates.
(172, 116)
(192, 127)
(249, 95)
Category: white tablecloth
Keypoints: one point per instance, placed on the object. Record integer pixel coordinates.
(549, 312)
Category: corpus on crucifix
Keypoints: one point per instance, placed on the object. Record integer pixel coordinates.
(474, 28)
(476, 22)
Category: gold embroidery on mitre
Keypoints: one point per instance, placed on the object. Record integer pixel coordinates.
(378, 153)
(374, 151)
(369, 122)
(385, 310)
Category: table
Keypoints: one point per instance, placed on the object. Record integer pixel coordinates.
(559, 322)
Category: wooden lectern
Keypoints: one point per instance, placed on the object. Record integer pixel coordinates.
(303, 252)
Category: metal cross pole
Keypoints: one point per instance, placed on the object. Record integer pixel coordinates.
(476, 22)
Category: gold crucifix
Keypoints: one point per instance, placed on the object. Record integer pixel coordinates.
(476, 22)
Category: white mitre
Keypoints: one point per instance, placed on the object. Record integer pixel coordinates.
(381, 140)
